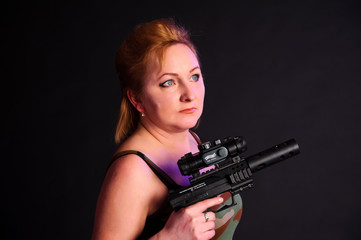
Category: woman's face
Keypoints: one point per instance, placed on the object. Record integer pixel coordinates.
(172, 97)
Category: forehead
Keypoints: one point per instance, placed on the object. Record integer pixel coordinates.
(178, 53)
(176, 57)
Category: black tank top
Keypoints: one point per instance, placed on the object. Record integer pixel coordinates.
(155, 222)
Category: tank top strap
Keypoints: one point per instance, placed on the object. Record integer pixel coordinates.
(198, 140)
(164, 177)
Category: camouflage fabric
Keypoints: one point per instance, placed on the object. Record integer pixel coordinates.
(227, 220)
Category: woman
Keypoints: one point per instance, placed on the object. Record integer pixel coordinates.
(162, 98)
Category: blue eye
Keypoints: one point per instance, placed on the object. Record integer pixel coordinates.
(195, 77)
(167, 83)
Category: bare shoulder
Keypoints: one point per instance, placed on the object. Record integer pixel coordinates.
(132, 166)
(130, 174)
(129, 168)
(126, 198)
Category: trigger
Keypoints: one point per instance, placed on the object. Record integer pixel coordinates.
(226, 206)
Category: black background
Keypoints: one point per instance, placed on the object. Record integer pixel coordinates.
(273, 70)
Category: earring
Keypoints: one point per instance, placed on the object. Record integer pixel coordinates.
(142, 114)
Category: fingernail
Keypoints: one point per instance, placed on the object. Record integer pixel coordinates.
(220, 199)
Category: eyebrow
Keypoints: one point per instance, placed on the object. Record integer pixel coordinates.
(176, 74)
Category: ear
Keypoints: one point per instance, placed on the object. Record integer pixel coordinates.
(135, 101)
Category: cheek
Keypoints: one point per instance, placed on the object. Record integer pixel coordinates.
(201, 92)
(158, 103)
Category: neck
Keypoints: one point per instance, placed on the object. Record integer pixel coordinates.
(174, 141)
(165, 148)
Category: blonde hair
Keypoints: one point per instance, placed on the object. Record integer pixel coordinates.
(146, 43)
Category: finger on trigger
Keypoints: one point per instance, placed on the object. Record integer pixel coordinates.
(206, 204)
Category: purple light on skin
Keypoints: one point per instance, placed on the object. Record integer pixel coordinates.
(175, 174)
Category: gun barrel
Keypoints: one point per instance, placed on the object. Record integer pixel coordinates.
(232, 177)
(273, 155)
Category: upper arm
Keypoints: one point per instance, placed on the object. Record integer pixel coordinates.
(124, 200)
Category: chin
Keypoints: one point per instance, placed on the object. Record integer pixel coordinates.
(187, 125)
(183, 123)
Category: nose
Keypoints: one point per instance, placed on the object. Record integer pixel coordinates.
(188, 93)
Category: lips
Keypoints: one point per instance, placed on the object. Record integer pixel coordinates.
(188, 110)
